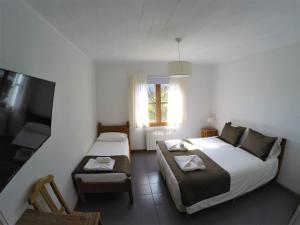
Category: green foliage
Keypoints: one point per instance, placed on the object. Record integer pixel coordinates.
(152, 102)
(152, 113)
(164, 93)
(151, 93)
(164, 112)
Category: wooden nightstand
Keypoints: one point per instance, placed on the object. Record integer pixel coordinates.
(209, 132)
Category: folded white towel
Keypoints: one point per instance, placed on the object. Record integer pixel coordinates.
(178, 145)
(93, 164)
(175, 145)
(189, 162)
(104, 159)
(190, 146)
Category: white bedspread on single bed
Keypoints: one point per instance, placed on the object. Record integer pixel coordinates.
(105, 148)
(247, 172)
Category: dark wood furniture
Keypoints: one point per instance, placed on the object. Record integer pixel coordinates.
(281, 155)
(114, 128)
(41, 192)
(83, 188)
(209, 132)
(33, 217)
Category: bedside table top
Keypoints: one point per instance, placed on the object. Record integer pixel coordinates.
(209, 132)
(208, 129)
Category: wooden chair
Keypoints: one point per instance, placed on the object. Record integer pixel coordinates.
(40, 192)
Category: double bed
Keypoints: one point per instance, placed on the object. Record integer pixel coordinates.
(247, 172)
(119, 180)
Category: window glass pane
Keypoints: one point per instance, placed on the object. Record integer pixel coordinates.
(152, 113)
(164, 92)
(164, 110)
(151, 93)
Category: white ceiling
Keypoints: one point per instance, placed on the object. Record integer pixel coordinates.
(143, 30)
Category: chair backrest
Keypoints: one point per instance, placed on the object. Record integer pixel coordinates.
(40, 190)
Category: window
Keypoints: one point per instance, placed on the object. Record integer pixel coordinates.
(158, 104)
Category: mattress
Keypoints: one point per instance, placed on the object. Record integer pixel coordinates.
(246, 170)
(104, 148)
(109, 148)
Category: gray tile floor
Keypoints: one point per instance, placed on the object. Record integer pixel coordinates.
(269, 205)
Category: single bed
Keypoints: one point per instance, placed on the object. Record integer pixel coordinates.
(247, 172)
(111, 181)
(102, 148)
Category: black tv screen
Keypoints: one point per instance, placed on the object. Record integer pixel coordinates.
(25, 119)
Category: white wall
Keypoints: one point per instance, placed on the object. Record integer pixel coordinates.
(262, 92)
(31, 46)
(112, 96)
(1, 26)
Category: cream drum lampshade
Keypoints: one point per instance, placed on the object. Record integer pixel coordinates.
(179, 68)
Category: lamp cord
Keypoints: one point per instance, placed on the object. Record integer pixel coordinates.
(178, 51)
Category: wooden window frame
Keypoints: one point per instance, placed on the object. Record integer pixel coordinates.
(158, 108)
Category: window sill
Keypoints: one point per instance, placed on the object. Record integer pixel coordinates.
(158, 125)
(161, 127)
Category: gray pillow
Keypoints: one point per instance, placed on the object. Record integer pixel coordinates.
(29, 139)
(38, 128)
(232, 134)
(258, 144)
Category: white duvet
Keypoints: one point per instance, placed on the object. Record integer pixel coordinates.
(247, 172)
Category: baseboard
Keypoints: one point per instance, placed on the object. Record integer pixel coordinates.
(296, 211)
(142, 151)
(288, 190)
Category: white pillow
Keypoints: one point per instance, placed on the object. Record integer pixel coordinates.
(112, 137)
(276, 149)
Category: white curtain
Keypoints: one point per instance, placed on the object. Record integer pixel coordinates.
(176, 102)
(139, 115)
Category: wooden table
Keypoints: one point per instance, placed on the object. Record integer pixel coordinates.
(33, 217)
(209, 132)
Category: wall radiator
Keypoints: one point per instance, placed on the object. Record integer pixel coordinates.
(158, 134)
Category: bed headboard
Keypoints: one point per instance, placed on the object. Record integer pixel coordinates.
(280, 157)
(114, 128)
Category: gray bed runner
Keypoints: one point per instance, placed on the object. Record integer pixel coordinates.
(197, 185)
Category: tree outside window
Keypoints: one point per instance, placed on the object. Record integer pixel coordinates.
(158, 104)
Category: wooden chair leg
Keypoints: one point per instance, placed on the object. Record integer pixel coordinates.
(130, 196)
(130, 190)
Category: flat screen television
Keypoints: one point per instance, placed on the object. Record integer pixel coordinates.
(25, 120)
